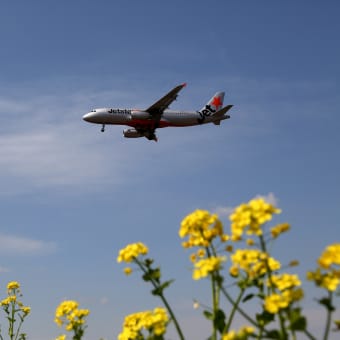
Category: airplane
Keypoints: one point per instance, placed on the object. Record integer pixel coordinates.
(143, 123)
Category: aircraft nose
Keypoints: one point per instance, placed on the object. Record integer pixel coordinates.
(88, 117)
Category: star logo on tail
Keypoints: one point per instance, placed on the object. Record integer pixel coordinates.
(216, 102)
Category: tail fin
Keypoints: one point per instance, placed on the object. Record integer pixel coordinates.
(214, 104)
(221, 115)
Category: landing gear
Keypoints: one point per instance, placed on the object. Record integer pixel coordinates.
(103, 128)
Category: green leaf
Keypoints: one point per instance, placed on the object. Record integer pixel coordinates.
(159, 290)
(264, 318)
(273, 334)
(327, 303)
(219, 320)
(248, 297)
(297, 321)
(208, 314)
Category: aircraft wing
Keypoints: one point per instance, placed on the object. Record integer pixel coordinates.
(158, 108)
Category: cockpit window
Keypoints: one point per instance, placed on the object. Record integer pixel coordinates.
(93, 111)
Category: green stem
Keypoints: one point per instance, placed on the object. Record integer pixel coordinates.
(19, 327)
(215, 291)
(156, 285)
(233, 311)
(238, 308)
(215, 305)
(329, 316)
(310, 336)
(11, 321)
(269, 272)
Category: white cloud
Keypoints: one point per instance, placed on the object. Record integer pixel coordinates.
(24, 246)
(46, 144)
(223, 211)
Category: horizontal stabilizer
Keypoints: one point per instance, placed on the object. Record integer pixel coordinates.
(222, 111)
(220, 114)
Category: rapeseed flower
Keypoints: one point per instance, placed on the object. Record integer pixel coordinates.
(204, 267)
(13, 285)
(275, 302)
(327, 275)
(68, 314)
(328, 280)
(242, 334)
(154, 322)
(279, 229)
(330, 256)
(61, 337)
(132, 251)
(249, 217)
(253, 262)
(284, 281)
(201, 227)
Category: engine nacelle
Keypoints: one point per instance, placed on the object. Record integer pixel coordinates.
(137, 114)
(132, 133)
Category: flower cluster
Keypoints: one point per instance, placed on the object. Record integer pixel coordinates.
(288, 292)
(154, 322)
(15, 310)
(251, 216)
(73, 318)
(204, 267)
(252, 262)
(132, 251)
(13, 291)
(243, 334)
(327, 275)
(201, 227)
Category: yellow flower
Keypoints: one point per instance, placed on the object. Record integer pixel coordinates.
(242, 334)
(13, 285)
(251, 216)
(200, 253)
(61, 337)
(127, 271)
(68, 314)
(253, 262)
(26, 310)
(328, 274)
(330, 256)
(8, 300)
(132, 251)
(201, 227)
(234, 271)
(285, 281)
(279, 229)
(204, 267)
(153, 321)
(273, 303)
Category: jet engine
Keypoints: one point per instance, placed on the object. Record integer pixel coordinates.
(136, 114)
(132, 133)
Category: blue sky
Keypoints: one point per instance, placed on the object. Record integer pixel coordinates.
(71, 197)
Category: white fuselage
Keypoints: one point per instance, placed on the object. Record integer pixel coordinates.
(141, 119)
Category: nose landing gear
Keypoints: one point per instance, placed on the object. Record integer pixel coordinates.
(103, 128)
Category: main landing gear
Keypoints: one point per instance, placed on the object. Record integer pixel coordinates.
(103, 128)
